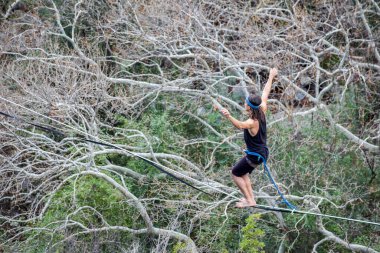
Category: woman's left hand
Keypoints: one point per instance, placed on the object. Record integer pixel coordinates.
(273, 72)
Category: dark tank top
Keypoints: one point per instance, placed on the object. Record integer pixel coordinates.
(257, 143)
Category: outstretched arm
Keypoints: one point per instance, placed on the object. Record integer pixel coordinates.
(237, 123)
(264, 98)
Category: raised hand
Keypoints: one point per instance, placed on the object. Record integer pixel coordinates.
(273, 72)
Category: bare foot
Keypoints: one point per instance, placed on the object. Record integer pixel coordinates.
(251, 203)
(242, 204)
(243, 200)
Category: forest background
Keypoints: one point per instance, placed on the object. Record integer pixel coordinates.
(145, 75)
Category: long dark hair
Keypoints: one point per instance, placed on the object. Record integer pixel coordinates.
(256, 114)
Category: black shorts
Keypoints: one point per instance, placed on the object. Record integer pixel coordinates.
(245, 165)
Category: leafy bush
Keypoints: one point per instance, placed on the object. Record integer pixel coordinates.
(252, 235)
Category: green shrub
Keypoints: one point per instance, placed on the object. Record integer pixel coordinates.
(252, 235)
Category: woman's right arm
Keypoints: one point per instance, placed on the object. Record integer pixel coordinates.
(237, 123)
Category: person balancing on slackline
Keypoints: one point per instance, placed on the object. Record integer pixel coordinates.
(255, 137)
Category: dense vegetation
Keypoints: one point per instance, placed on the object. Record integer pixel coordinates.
(148, 76)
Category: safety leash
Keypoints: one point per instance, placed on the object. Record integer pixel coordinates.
(267, 171)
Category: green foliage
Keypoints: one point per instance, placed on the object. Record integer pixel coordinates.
(97, 196)
(101, 159)
(308, 155)
(252, 236)
(321, 161)
(131, 67)
(216, 233)
(360, 109)
(330, 62)
(179, 247)
(366, 240)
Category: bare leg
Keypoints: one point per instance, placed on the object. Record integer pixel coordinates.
(246, 189)
(250, 198)
(240, 182)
